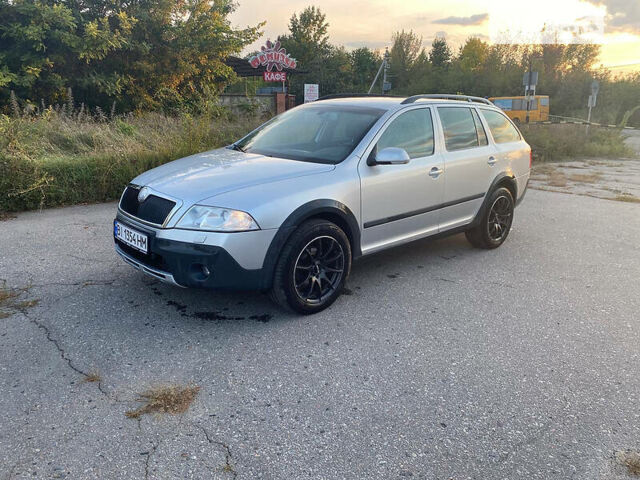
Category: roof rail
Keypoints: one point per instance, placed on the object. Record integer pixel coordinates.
(446, 97)
(356, 95)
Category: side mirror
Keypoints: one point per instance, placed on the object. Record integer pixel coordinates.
(391, 156)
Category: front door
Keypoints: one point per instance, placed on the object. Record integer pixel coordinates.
(400, 202)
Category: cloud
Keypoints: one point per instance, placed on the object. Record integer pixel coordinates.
(478, 19)
(622, 15)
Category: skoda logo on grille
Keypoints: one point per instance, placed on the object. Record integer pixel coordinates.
(143, 194)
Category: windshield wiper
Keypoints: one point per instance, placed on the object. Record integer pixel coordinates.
(237, 147)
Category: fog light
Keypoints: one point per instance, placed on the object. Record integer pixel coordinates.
(199, 272)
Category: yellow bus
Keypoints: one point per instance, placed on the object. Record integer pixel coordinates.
(516, 108)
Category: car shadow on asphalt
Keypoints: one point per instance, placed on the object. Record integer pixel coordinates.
(255, 307)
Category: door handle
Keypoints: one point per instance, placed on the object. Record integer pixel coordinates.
(435, 172)
(492, 160)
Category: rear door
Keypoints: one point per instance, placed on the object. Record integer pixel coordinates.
(469, 161)
(399, 202)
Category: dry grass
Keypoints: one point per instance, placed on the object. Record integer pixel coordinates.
(54, 160)
(585, 177)
(627, 198)
(92, 377)
(172, 399)
(9, 303)
(558, 180)
(629, 459)
(567, 141)
(544, 169)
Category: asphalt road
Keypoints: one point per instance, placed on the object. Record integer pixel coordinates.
(443, 362)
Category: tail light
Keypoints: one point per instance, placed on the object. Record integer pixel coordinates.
(530, 158)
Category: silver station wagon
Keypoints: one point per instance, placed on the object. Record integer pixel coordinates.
(287, 208)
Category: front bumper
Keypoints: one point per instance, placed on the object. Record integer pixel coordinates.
(182, 258)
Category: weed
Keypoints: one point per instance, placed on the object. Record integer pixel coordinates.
(627, 198)
(629, 459)
(170, 399)
(92, 377)
(558, 142)
(585, 177)
(9, 303)
(54, 159)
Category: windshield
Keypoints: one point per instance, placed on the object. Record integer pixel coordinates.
(318, 133)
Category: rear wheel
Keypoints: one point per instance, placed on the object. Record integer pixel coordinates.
(495, 224)
(312, 268)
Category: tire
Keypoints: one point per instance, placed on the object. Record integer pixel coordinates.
(495, 223)
(313, 267)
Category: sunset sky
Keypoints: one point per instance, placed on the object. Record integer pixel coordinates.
(354, 23)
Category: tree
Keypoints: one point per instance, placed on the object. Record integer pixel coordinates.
(404, 53)
(308, 42)
(440, 55)
(364, 65)
(310, 28)
(144, 54)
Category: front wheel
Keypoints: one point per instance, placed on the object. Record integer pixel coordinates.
(312, 268)
(496, 221)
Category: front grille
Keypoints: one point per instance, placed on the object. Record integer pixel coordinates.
(154, 209)
(150, 259)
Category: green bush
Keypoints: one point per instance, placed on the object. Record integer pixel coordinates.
(54, 160)
(562, 141)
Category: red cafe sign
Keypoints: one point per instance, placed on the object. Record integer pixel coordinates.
(272, 55)
(274, 76)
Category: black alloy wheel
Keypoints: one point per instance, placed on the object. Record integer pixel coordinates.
(495, 224)
(313, 267)
(319, 269)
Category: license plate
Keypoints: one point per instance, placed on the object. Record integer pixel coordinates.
(131, 237)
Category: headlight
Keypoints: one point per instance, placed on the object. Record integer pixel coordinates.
(217, 220)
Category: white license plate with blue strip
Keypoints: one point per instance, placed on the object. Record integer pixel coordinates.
(131, 237)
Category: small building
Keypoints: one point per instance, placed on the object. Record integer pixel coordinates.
(273, 65)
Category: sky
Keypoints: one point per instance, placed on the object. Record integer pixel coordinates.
(615, 24)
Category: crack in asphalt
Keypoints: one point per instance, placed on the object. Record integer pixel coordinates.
(154, 447)
(62, 352)
(228, 467)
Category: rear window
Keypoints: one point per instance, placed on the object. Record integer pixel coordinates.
(459, 128)
(501, 128)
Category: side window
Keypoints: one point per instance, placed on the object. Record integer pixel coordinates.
(459, 128)
(501, 128)
(482, 135)
(413, 131)
(505, 104)
(544, 102)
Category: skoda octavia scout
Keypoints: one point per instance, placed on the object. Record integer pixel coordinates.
(287, 208)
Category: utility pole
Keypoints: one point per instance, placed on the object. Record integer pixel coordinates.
(595, 87)
(530, 80)
(527, 92)
(385, 62)
(383, 67)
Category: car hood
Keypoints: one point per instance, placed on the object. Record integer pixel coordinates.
(198, 177)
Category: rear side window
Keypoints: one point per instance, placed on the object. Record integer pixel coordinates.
(501, 128)
(482, 135)
(459, 128)
(412, 131)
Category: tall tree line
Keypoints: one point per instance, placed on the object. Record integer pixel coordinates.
(566, 71)
(143, 54)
